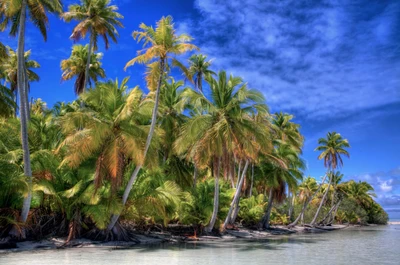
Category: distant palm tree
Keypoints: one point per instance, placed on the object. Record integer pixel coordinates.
(197, 70)
(75, 66)
(14, 13)
(10, 68)
(333, 147)
(97, 18)
(159, 44)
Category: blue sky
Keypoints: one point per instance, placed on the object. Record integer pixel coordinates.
(334, 64)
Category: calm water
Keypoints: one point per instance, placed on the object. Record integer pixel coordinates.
(372, 245)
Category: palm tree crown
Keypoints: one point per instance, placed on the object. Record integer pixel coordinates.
(10, 67)
(75, 66)
(10, 12)
(333, 147)
(96, 17)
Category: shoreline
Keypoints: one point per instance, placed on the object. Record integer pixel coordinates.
(154, 238)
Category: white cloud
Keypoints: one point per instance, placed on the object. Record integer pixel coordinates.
(318, 60)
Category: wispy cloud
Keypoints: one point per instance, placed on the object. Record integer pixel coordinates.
(318, 59)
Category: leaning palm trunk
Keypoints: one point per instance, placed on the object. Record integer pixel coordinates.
(22, 90)
(236, 198)
(135, 173)
(321, 203)
(334, 213)
(267, 215)
(88, 61)
(210, 226)
(306, 204)
(328, 215)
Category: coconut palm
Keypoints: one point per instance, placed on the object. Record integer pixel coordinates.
(75, 66)
(159, 45)
(14, 13)
(362, 192)
(112, 128)
(306, 190)
(333, 148)
(210, 140)
(97, 18)
(197, 70)
(278, 176)
(172, 105)
(10, 68)
(286, 130)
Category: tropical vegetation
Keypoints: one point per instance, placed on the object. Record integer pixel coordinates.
(208, 154)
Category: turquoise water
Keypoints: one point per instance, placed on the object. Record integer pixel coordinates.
(369, 245)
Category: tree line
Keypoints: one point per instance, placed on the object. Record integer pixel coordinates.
(207, 154)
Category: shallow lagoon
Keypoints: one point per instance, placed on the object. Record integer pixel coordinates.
(367, 245)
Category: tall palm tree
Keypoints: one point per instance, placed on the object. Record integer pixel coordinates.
(14, 13)
(97, 18)
(75, 66)
(159, 45)
(10, 68)
(172, 106)
(333, 148)
(198, 68)
(211, 140)
(278, 176)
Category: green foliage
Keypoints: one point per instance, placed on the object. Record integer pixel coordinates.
(252, 209)
(197, 205)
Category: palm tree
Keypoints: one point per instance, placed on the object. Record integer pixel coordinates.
(15, 12)
(362, 192)
(213, 138)
(7, 104)
(287, 131)
(10, 68)
(97, 18)
(75, 66)
(197, 70)
(172, 105)
(278, 176)
(333, 147)
(306, 190)
(159, 44)
(113, 131)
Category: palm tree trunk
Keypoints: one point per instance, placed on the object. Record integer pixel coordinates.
(195, 173)
(23, 111)
(27, 105)
(236, 198)
(306, 204)
(335, 212)
(210, 226)
(252, 180)
(328, 215)
(293, 199)
(322, 203)
(239, 173)
(88, 61)
(135, 173)
(267, 215)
